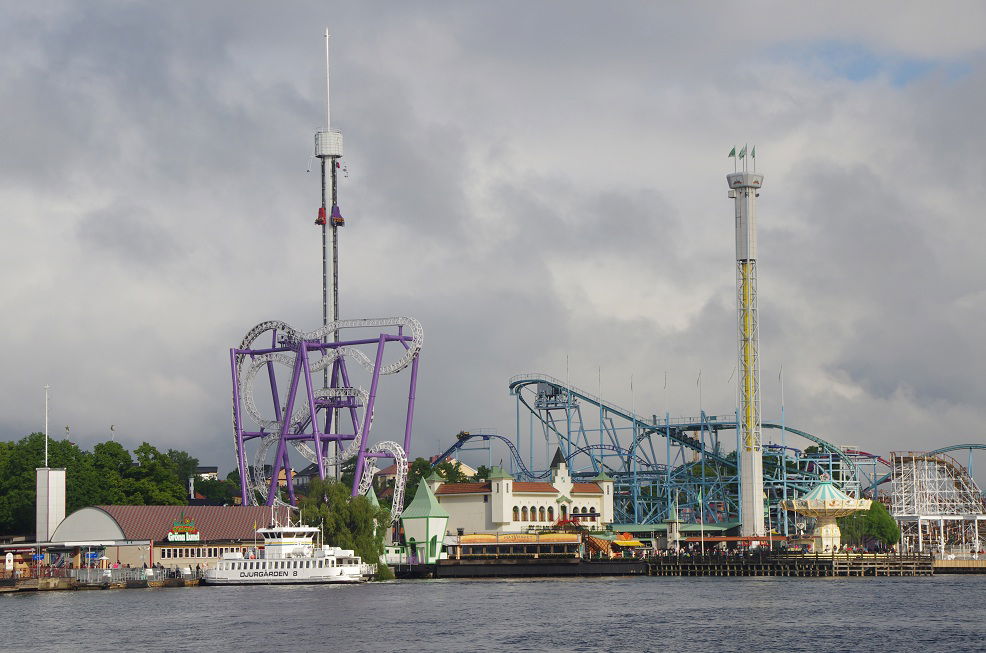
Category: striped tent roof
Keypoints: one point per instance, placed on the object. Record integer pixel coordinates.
(826, 491)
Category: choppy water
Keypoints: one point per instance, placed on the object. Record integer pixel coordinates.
(942, 613)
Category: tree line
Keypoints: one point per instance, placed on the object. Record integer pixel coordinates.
(107, 475)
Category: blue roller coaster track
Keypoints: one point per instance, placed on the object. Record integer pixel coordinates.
(660, 467)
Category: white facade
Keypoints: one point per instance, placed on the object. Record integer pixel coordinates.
(504, 505)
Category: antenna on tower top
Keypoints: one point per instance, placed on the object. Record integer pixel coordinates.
(328, 94)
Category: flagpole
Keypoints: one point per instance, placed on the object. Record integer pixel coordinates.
(770, 528)
(46, 424)
(698, 382)
(780, 378)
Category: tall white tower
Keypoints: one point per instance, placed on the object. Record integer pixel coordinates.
(744, 188)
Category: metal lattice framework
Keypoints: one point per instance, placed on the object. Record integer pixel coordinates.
(935, 500)
(326, 425)
(659, 464)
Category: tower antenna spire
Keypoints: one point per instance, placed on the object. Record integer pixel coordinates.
(328, 88)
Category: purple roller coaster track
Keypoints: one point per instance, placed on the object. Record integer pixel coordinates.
(326, 425)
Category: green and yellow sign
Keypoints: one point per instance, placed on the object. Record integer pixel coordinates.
(183, 530)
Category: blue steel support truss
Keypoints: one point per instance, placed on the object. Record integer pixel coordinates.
(690, 471)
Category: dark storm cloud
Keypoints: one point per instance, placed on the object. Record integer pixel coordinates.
(537, 183)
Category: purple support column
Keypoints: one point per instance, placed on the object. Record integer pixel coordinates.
(281, 448)
(289, 477)
(240, 454)
(410, 407)
(331, 418)
(369, 412)
(310, 391)
(353, 416)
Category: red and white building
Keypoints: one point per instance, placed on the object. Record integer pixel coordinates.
(505, 505)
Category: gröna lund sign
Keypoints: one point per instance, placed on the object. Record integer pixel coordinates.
(183, 530)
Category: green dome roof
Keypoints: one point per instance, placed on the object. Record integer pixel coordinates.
(826, 491)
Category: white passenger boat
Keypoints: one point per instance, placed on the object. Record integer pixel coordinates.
(291, 555)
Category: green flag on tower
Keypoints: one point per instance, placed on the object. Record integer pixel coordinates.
(732, 153)
(753, 152)
(742, 153)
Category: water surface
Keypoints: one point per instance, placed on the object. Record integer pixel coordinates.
(619, 615)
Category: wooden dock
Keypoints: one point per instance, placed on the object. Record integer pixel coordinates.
(792, 564)
(960, 566)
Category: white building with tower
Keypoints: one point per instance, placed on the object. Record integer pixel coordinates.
(505, 505)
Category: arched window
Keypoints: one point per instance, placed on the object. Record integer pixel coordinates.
(541, 513)
(564, 512)
(516, 513)
(523, 513)
(534, 513)
(551, 513)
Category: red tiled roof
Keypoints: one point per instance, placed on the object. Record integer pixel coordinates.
(213, 522)
(463, 488)
(525, 486)
(586, 488)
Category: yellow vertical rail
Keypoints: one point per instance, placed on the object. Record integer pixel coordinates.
(749, 356)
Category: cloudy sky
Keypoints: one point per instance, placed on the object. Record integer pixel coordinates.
(541, 184)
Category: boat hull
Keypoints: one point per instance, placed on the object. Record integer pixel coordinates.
(282, 581)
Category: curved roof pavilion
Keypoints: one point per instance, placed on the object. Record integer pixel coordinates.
(825, 503)
(127, 523)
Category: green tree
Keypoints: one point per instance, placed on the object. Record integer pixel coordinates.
(154, 480)
(451, 472)
(347, 522)
(216, 490)
(107, 475)
(18, 461)
(482, 474)
(420, 468)
(868, 525)
(184, 464)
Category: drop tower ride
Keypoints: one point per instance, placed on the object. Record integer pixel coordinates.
(328, 149)
(744, 188)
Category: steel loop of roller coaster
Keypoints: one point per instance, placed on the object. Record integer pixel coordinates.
(284, 348)
(677, 432)
(519, 462)
(717, 472)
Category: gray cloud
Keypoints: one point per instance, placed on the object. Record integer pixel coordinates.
(536, 183)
